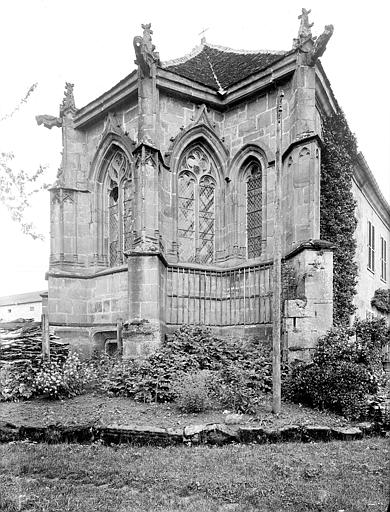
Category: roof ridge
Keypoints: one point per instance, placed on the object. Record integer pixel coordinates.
(180, 60)
(244, 52)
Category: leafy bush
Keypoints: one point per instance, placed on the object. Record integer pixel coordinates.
(187, 351)
(52, 379)
(381, 300)
(237, 389)
(16, 383)
(56, 380)
(346, 369)
(192, 391)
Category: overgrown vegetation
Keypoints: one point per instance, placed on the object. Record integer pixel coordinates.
(345, 372)
(381, 300)
(241, 370)
(338, 221)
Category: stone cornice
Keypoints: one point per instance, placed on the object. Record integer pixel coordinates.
(70, 189)
(369, 187)
(123, 90)
(175, 84)
(276, 72)
(324, 94)
(311, 245)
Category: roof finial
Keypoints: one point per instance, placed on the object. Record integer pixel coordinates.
(304, 31)
(201, 33)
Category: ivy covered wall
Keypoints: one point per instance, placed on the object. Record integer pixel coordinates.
(338, 221)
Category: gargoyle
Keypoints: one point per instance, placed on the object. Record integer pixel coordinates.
(49, 121)
(145, 52)
(320, 45)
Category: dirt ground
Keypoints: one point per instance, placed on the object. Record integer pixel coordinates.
(92, 408)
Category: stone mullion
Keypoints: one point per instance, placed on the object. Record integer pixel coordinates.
(61, 225)
(120, 222)
(196, 220)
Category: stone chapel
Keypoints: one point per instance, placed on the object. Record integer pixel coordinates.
(163, 209)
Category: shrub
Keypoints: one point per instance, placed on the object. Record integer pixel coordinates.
(187, 351)
(16, 383)
(346, 369)
(237, 389)
(63, 380)
(193, 391)
(52, 379)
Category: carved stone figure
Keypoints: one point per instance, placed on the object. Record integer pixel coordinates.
(305, 26)
(48, 121)
(320, 45)
(145, 50)
(68, 103)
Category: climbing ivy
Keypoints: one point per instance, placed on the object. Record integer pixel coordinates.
(338, 221)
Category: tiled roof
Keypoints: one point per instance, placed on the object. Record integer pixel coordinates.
(21, 298)
(219, 67)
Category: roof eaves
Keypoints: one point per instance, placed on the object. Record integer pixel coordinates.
(100, 103)
(362, 162)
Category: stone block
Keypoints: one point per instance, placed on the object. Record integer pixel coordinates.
(347, 434)
(298, 308)
(251, 434)
(316, 433)
(247, 127)
(214, 434)
(290, 433)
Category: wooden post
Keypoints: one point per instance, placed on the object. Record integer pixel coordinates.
(277, 270)
(119, 340)
(45, 337)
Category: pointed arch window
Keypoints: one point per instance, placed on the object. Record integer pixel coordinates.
(254, 217)
(120, 208)
(196, 207)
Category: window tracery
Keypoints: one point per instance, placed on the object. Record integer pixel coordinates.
(254, 217)
(196, 206)
(120, 207)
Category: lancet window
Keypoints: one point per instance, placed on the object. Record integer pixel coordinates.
(120, 207)
(196, 207)
(254, 217)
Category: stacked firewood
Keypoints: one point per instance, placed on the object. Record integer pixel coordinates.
(21, 342)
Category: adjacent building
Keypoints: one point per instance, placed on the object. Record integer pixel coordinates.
(22, 305)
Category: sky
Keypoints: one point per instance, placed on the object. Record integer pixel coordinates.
(89, 43)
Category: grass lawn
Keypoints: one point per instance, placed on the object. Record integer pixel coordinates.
(348, 476)
(93, 408)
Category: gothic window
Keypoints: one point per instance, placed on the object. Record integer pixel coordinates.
(254, 216)
(120, 208)
(196, 207)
